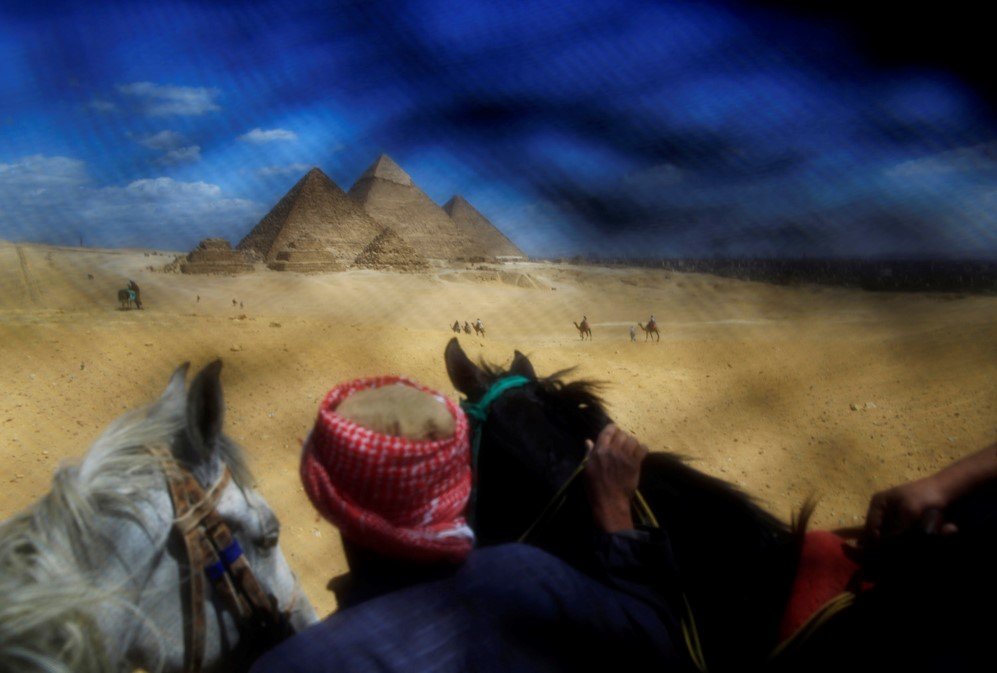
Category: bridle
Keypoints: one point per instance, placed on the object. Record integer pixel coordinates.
(212, 548)
(479, 412)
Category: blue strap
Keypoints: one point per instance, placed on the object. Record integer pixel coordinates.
(231, 553)
(479, 412)
(228, 556)
(215, 571)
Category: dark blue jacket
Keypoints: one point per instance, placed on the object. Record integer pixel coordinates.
(509, 608)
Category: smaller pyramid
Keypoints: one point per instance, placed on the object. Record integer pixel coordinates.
(389, 251)
(480, 230)
(215, 255)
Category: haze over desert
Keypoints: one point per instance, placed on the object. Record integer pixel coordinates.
(786, 391)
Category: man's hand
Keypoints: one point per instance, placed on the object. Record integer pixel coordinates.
(612, 475)
(896, 510)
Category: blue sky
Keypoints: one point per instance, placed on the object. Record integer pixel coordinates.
(653, 128)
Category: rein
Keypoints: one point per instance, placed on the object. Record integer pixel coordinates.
(211, 547)
(479, 412)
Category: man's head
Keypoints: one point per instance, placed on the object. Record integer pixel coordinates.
(388, 463)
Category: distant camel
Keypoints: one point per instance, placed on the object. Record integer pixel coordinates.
(456, 327)
(467, 327)
(479, 330)
(583, 329)
(126, 298)
(651, 328)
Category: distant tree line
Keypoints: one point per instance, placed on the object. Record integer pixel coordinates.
(973, 276)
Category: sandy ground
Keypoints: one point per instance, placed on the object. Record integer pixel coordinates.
(785, 391)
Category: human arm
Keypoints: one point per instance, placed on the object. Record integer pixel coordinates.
(635, 560)
(611, 476)
(897, 509)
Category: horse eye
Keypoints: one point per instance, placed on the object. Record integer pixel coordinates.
(269, 539)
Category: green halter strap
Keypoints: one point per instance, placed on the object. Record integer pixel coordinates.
(478, 411)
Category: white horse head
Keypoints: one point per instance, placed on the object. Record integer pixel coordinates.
(93, 577)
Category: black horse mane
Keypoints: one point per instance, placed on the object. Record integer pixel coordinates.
(736, 561)
(582, 397)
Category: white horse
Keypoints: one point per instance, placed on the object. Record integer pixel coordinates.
(96, 576)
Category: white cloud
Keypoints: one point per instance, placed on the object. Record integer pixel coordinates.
(41, 172)
(164, 140)
(52, 199)
(289, 169)
(258, 135)
(162, 99)
(159, 187)
(174, 146)
(181, 155)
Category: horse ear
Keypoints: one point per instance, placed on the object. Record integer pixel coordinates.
(522, 366)
(172, 399)
(205, 406)
(465, 376)
(175, 387)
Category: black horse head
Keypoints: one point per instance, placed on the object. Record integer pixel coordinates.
(532, 441)
(736, 561)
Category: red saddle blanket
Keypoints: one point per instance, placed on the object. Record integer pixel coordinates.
(825, 571)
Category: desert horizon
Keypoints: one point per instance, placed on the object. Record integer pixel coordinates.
(786, 391)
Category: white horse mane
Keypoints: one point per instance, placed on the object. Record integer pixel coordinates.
(50, 553)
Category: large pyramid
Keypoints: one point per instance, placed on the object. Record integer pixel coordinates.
(477, 226)
(388, 194)
(314, 227)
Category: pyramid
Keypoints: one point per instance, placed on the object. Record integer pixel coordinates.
(215, 255)
(388, 194)
(477, 226)
(314, 227)
(388, 250)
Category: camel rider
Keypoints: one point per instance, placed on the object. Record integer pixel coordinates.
(133, 287)
(651, 323)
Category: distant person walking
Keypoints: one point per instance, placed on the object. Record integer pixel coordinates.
(633, 333)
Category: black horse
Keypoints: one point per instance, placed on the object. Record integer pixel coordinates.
(736, 562)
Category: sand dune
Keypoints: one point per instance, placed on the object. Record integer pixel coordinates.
(754, 382)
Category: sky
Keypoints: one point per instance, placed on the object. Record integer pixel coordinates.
(662, 129)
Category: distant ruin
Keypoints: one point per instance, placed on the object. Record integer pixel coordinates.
(389, 251)
(215, 255)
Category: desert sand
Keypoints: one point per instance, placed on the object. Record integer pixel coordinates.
(787, 391)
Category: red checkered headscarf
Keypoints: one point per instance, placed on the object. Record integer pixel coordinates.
(400, 497)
